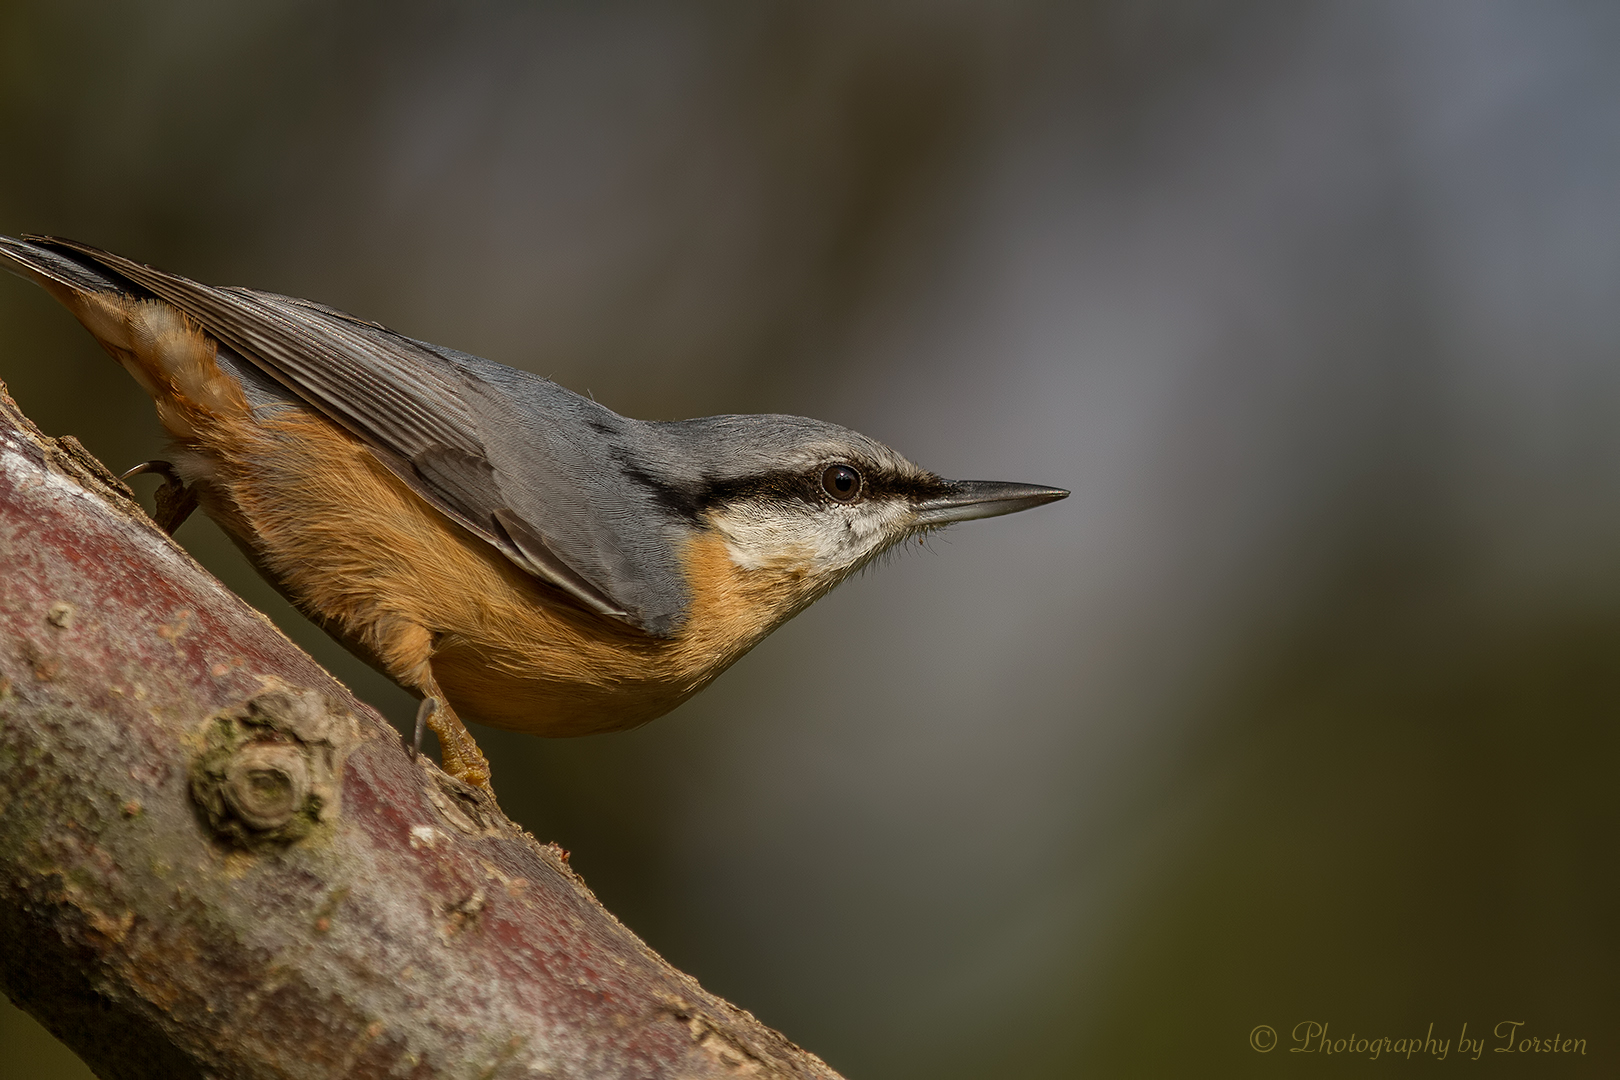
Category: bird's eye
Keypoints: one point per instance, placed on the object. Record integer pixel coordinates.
(841, 482)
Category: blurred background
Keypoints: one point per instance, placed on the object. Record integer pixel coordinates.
(1304, 706)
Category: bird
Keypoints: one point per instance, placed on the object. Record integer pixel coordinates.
(508, 551)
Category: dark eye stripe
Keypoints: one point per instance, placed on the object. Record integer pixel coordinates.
(693, 501)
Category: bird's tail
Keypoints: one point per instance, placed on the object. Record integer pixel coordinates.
(167, 353)
(56, 269)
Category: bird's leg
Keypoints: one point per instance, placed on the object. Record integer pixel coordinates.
(429, 706)
(175, 500)
(462, 758)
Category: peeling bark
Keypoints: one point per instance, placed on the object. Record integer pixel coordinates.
(216, 862)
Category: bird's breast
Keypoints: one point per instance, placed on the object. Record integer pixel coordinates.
(557, 671)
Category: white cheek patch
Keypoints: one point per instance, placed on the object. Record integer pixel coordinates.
(768, 536)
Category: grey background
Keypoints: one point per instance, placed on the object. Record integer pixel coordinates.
(1303, 707)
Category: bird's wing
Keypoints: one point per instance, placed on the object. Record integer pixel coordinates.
(411, 407)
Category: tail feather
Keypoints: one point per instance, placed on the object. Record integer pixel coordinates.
(49, 266)
(171, 357)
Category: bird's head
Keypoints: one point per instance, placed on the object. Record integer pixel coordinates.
(805, 500)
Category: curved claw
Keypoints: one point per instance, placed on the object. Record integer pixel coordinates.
(175, 500)
(429, 706)
(162, 468)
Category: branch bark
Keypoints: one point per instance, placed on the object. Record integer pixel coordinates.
(215, 862)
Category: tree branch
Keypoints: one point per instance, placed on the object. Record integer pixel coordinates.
(215, 862)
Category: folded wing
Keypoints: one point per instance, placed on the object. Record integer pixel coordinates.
(419, 414)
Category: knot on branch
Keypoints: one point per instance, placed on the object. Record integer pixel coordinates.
(268, 771)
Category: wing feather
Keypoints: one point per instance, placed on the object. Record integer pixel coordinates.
(409, 404)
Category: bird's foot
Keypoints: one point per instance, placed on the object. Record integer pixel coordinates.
(175, 500)
(462, 758)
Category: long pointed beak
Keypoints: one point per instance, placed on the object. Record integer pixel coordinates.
(969, 499)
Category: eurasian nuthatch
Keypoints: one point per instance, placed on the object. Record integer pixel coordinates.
(510, 551)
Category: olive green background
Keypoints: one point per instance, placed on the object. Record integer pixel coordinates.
(1303, 707)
